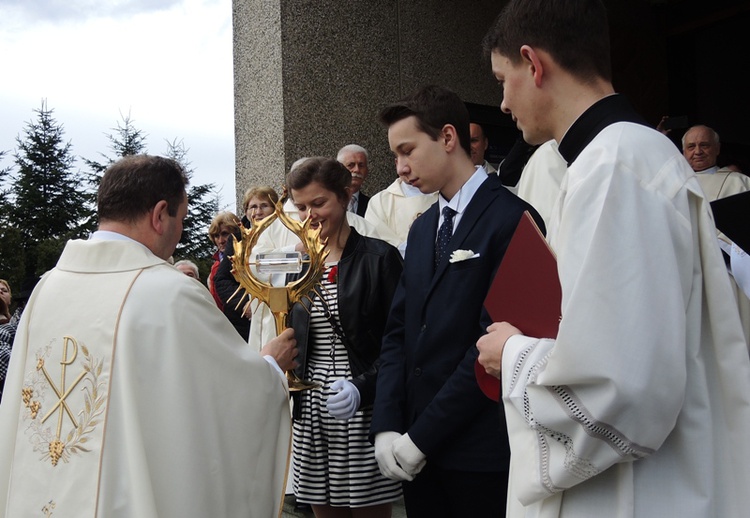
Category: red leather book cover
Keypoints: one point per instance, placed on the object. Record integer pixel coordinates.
(525, 292)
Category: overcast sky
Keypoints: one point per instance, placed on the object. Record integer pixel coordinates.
(165, 63)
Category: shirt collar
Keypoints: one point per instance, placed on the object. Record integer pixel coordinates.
(461, 200)
(108, 235)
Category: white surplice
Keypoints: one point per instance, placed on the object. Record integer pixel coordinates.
(641, 406)
(721, 183)
(130, 394)
(541, 177)
(395, 210)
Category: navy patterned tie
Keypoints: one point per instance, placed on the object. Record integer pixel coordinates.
(445, 232)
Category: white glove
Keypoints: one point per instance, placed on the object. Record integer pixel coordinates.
(410, 458)
(386, 460)
(345, 402)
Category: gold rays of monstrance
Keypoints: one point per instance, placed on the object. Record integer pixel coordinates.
(279, 299)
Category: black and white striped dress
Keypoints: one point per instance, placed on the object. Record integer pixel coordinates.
(333, 461)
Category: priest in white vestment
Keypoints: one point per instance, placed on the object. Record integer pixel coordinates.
(701, 146)
(640, 406)
(129, 393)
(396, 207)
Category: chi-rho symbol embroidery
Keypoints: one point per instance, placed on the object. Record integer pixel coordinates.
(86, 379)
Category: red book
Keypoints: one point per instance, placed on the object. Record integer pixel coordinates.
(525, 292)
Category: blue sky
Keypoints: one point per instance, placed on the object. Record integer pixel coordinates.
(165, 63)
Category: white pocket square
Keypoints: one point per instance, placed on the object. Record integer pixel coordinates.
(462, 255)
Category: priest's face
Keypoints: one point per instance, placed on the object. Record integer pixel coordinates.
(700, 147)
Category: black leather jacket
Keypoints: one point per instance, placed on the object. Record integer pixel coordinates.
(368, 273)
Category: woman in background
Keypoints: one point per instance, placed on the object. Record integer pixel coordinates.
(257, 203)
(223, 225)
(5, 299)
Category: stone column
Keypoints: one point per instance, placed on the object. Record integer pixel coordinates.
(311, 76)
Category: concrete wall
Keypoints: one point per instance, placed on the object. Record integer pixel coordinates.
(311, 76)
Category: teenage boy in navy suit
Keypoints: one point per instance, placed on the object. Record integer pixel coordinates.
(433, 428)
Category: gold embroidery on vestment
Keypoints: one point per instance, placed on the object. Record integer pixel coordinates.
(53, 446)
(47, 509)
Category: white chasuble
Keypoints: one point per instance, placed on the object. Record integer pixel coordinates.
(129, 394)
(65, 393)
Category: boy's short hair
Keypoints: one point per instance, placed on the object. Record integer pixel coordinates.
(434, 107)
(574, 32)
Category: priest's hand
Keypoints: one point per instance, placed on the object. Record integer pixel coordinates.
(283, 349)
(386, 459)
(492, 344)
(408, 455)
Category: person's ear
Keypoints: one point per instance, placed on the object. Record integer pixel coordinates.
(532, 58)
(159, 214)
(449, 137)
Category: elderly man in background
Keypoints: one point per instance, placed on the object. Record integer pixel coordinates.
(129, 393)
(355, 159)
(701, 146)
(189, 268)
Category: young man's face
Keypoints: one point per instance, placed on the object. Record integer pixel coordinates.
(420, 160)
(519, 97)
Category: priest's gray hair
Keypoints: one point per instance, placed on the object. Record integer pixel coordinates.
(711, 131)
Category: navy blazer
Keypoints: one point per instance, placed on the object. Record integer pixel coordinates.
(426, 384)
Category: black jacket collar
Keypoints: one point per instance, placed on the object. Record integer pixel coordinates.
(611, 109)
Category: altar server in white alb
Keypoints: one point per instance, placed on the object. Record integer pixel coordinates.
(641, 405)
(129, 393)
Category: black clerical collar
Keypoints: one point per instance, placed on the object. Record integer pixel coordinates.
(611, 109)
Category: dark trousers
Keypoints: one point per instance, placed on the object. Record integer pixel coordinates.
(440, 493)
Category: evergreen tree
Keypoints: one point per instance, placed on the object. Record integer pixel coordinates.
(203, 204)
(125, 140)
(11, 252)
(49, 200)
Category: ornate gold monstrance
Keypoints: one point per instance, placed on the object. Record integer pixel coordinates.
(279, 299)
